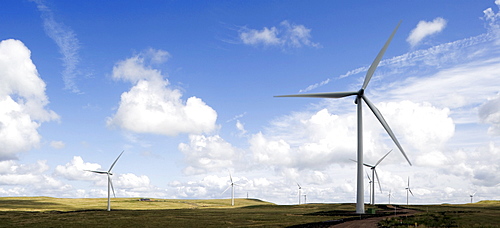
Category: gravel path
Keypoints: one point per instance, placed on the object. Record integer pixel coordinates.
(372, 222)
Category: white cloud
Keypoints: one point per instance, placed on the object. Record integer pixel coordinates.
(152, 107)
(424, 29)
(26, 179)
(207, 153)
(287, 35)
(493, 18)
(22, 100)
(75, 170)
(67, 42)
(240, 127)
(489, 113)
(265, 36)
(57, 144)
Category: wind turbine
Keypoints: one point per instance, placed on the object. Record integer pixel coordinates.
(472, 197)
(408, 190)
(360, 97)
(300, 188)
(110, 184)
(390, 194)
(372, 180)
(232, 189)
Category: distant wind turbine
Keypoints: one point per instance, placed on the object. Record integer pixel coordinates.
(300, 188)
(408, 190)
(360, 97)
(372, 180)
(232, 189)
(110, 183)
(390, 194)
(472, 197)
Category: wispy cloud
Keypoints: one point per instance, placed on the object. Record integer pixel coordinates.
(67, 42)
(433, 56)
(285, 35)
(425, 29)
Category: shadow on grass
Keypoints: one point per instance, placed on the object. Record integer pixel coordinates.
(32, 204)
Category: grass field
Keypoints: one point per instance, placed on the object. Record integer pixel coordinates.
(130, 212)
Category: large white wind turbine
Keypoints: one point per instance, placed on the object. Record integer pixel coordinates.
(408, 190)
(110, 184)
(232, 189)
(360, 97)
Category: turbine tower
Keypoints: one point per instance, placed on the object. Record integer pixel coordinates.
(408, 190)
(110, 184)
(299, 191)
(360, 97)
(232, 189)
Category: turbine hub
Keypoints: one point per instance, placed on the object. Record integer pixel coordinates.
(360, 94)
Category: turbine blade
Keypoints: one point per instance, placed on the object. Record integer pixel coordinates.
(299, 186)
(410, 192)
(111, 183)
(378, 180)
(323, 95)
(385, 125)
(99, 172)
(368, 177)
(382, 158)
(375, 63)
(110, 168)
(226, 189)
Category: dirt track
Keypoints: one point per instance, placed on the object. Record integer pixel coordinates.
(372, 222)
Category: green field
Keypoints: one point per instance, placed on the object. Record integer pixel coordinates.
(130, 212)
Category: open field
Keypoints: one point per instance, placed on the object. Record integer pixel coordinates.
(481, 214)
(130, 212)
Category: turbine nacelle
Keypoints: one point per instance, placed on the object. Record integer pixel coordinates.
(361, 92)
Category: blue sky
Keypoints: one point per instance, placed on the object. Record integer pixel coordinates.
(186, 90)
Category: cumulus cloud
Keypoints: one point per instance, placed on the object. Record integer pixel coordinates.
(424, 125)
(489, 113)
(151, 106)
(75, 169)
(67, 42)
(207, 153)
(425, 29)
(25, 179)
(286, 35)
(22, 100)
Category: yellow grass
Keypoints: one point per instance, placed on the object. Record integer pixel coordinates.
(72, 204)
